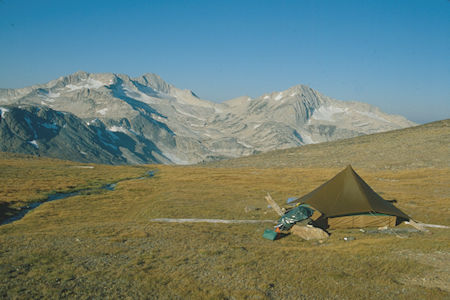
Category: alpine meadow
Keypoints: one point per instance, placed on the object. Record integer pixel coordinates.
(225, 149)
(103, 243)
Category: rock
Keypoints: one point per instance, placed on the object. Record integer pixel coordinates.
(309, 233)
(250, 208)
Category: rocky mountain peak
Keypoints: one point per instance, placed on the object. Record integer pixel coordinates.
(145, 119)
(155, 82)
(80, 74)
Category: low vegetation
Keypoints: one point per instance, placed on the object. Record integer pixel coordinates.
(104, 244)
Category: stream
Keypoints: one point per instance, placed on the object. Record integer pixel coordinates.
(58, 196)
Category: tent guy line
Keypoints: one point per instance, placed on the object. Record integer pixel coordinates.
(432, 225)
(169, 220)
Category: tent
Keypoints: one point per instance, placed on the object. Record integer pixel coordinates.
(347, 201)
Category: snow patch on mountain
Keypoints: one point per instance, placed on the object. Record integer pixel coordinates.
(92, 122)
(118, 129)
(139, 95)
(3, 111)
(245, 144)
(34, 143)
(327, 113)
(53, 95)
(46, 99)
(279, 96)
(88, 83)
(102, 111)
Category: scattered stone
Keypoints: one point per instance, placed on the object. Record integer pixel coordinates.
(250, 208)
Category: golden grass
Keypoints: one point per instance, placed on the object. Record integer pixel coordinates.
(103, 245)
(26, 179)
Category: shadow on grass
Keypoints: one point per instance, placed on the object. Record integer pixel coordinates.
(6, 211)
(282, 235)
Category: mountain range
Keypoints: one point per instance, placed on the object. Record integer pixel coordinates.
(116, 119)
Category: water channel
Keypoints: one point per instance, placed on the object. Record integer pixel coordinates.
(58, 196)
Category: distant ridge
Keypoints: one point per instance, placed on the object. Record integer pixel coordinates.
(126, 120)
(424, 146)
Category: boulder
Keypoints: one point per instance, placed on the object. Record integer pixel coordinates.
(309, 232)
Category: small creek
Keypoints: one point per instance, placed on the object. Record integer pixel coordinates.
(58, 196)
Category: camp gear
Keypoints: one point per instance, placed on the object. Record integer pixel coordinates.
(347, 201)
(293, 216)
(291, 199)
(270, 234)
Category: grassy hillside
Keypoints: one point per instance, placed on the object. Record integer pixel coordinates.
(103, 245)
(425, 146)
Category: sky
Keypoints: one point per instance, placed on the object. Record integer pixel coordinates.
(393, 54)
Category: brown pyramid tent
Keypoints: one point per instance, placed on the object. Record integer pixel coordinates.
(347, 201)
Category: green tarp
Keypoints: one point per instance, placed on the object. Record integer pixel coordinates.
(293, 216)
(269, 234)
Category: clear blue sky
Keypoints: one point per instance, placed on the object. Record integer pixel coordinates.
(393, 54)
